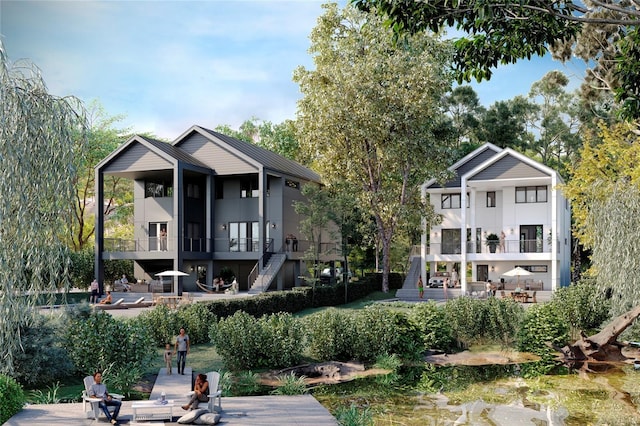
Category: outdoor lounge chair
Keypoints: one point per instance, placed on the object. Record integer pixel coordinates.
(117, 305)
(213, 377)
(91, 406)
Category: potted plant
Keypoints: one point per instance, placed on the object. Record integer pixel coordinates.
(492, 241)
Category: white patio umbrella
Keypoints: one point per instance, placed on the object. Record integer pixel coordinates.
(173, 274)
(517, 272)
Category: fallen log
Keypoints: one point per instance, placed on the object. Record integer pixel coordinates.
(602, 346)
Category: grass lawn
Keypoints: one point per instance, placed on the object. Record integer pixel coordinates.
(372, 298)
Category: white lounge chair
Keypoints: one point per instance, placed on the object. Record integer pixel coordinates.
(213, 377)
(91, 406)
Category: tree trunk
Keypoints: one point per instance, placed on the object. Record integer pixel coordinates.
(386, 264)
(602, 346)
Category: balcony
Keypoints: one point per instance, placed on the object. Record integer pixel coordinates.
(208, 245)
(520, 246)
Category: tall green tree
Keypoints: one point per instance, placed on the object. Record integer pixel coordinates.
(504, 123)
(465, 110)
(555, 121)
(279, 138)
(315, 221)
(40, 134)
(602, 33)
(371, 115)
(102, 138)
(604, 190)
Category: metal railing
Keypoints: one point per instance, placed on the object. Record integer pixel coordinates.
(518, 246)
(208, 245)
(151, 244)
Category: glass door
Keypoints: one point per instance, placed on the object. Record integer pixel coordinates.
(158, 236)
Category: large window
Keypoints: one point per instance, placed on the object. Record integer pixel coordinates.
(451, 241)
(491, 198)
(193, 190)
(244, 236)
(531, 194)
(249, 188)
(450, 201)
(158, 189)
(531, 240)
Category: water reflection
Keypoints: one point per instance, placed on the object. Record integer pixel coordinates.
(497, 395)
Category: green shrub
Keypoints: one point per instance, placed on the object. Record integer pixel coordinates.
(542, 324)
(81, 271)
(503, 320)
(39, 396)
(384, 331)
(246, 383)
(245, 342)
(466, 317)
(353, 416)
(11, 398)
(330, 334)
(483, 321)
(583, 305)
(432, 322)
(237, 340)
(196, 320)
(290, 384)
(162, 323)
(121, 379)
(43, 360)
(100, 341)
(284, 339)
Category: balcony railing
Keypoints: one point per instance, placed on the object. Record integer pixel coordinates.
(153, 244)
(520, 246)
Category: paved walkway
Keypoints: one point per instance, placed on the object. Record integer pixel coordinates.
(236, 411)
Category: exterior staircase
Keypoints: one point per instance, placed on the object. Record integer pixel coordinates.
(409, 290)
(268, 273)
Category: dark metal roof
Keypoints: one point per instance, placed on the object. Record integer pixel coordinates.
(174, 152)
(268, 159)
(479, 157)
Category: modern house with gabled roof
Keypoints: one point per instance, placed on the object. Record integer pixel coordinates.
(205, 203)
(506, 195)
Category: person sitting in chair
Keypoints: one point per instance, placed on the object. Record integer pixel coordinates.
(125, 283)
(99, 390)
(200, 393)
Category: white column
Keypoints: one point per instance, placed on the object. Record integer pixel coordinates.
(463, 236)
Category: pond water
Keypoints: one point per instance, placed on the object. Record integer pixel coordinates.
(508, 395)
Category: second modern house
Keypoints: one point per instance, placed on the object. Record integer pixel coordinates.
(208, 204)
(501, 210)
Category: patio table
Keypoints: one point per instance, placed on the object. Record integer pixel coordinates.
(154, 410)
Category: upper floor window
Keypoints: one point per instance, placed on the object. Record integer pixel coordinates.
(193, 190)
(531, 194)
(158, 189)
(451, 201)
(249, 188)
(491, 198)
(292, 184)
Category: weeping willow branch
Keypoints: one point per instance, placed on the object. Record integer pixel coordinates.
(37, 148)
(616, 252)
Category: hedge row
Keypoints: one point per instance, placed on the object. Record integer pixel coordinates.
(300, 298)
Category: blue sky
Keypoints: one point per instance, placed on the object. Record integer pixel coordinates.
(167, 65)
